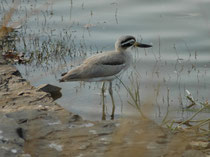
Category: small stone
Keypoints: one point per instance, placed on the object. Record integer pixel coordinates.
(20, 93)
(89, 125)
(162, 135)
(151, 146)
(161, 141)
(193, 153)
(80, 155)
(85, 125)
(54, 91)
(200, 144)
(117, 124)
(5, 148)
(25, 155)
(24, 93)
(75, 118)
(84, 146)
(94, 132)
(54, 123)
(105, 141)
(49, 88)
(14, 151)
(56, 146)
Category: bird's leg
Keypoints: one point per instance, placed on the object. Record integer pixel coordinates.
(103, 104)
(113, 104)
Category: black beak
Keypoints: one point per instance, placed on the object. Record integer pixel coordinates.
(136, 44)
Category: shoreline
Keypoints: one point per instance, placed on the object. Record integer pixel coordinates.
(38, 124)
(32, 124)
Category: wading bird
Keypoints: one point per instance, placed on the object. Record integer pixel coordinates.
(105, 66)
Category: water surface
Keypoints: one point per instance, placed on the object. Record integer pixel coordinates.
(64, 33)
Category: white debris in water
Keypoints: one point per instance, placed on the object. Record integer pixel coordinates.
(54, 123)
(81, 125)
(1, 131)
(189, 94)
(14, 151)
(187, 91)
(93, 132)
(1, 137)
(56, 146)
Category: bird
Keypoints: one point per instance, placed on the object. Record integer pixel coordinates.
(105, 66)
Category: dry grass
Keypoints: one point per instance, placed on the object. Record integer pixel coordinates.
(4, 30)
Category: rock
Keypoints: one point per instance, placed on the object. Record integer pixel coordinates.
(53, 90)
(75, 118)
(49, 88)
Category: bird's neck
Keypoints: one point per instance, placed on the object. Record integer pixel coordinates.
(120, 50)
(125, 53)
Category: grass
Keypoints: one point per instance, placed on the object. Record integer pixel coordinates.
(190, 123)
(135, 97)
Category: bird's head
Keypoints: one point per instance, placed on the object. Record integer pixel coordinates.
(127, 41)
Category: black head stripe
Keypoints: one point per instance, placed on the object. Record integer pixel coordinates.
(128, 42)
(127, 38)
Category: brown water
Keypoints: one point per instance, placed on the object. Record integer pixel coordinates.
(66, 32)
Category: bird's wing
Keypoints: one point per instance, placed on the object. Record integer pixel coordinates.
(102, 70)
(105, 64)
(107, 58)
(101, 65)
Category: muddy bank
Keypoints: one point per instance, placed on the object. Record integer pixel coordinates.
(33, 125)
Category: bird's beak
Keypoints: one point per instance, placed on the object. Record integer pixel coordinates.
(137, 44)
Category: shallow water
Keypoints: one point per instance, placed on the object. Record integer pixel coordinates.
(65, 33)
